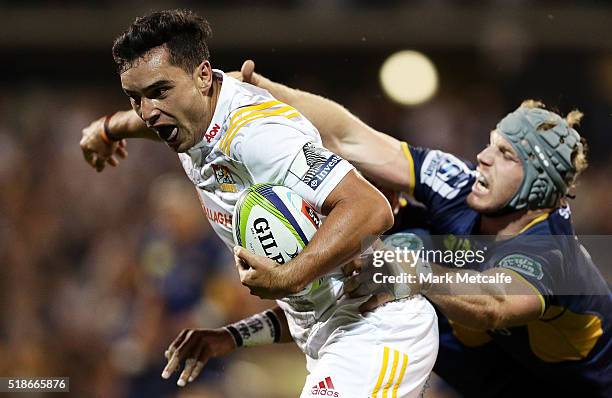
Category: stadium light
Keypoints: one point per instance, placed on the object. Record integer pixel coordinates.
(409, 78)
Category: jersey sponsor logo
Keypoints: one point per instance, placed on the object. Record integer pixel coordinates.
(323, 172)
(313, 164)
(262, 231)
(311, 214)
(445, 174)
(324, 388)
(224, 178)
(565, 212)
(212, 133)
(523, 265)
(219, 217)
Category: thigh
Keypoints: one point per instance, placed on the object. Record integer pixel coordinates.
(390, 354)
(410, 348)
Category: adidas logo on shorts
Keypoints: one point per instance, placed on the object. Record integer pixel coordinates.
(324, 388)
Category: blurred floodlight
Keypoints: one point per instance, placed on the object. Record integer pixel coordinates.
(409, 78)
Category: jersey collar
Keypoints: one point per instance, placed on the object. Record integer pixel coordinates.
(222, 111)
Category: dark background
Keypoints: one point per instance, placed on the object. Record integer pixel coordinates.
(100, 271)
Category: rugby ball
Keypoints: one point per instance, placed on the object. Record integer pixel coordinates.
(273, 221)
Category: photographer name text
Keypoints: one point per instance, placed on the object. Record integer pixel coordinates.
(462, 277)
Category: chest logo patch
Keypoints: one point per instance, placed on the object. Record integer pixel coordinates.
(523, 265)
(445, 174)
(224, 178)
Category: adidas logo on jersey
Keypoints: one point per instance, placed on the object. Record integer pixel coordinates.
(324, 388)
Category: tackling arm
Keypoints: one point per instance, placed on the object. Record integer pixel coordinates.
(478, 300)
(484, 305)
(376, 155)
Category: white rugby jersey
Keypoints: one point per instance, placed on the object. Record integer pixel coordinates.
(253, 138)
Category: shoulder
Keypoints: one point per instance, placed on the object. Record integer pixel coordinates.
(442, 172)
(436, 162)
(267, 123)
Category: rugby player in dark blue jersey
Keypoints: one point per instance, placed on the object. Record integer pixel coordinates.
(548, 332)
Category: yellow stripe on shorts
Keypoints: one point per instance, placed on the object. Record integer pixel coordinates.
(383, 371)
(390, 385)
(401, 375)
(392, 376)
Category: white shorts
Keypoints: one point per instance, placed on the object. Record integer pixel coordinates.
(389, 353)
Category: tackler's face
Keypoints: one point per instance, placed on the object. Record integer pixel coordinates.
(500, 173)
(168, 99)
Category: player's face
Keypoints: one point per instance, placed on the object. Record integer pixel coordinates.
(168, 99)
(500, 175)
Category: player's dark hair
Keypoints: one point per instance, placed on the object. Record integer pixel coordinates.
(183, 32)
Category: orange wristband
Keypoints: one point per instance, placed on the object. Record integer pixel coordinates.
(104, 134)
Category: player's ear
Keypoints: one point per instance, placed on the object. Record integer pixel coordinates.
(203, 75)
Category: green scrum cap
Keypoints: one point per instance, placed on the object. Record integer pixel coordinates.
(546, 155)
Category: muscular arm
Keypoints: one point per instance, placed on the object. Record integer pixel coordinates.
(486, 306)
(127, 124)
(376, 155)
(356, 213)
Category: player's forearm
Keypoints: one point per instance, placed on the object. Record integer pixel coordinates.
(376, 155)
(351, 226)
(476, 312)
(480, 306)
(264, 328)
(330, 118)
(127, 124)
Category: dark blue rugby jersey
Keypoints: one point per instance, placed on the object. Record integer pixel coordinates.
(571, 343)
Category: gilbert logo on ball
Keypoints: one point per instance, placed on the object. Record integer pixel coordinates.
(274, 221)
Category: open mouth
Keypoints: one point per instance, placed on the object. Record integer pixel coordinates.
(481, 184)
(167, 132)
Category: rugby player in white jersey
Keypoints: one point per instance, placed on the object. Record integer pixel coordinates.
(230, 135)
(552, 319)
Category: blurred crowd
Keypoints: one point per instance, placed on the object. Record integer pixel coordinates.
(101, 271)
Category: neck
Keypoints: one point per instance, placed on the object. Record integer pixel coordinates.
(509, 225)
(213, 94)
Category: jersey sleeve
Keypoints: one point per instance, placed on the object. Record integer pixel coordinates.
(284, 155)
(439, 180)
(539, 266)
